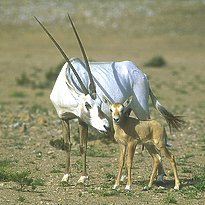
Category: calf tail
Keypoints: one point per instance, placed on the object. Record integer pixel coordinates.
(173, 121)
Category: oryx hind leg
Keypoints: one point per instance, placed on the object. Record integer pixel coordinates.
(83, 130)
(67, 147)
(161, 173)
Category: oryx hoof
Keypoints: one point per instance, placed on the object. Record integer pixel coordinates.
(65, 178)
(82, 180)
(160, 178)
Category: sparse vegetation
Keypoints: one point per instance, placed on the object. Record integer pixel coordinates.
(157, 61)
(78, 165)
(23, 80)
(132, 30)
(58, 143)
(22, 178)
(170, 199)
(52, 73)
(93, 151)
(189, 192)
(199, 180)
(18, 94)
(33, 81)
(21, 199)
(36, 108)
(186, 170)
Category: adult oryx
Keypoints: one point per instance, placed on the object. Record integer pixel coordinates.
(78, 93)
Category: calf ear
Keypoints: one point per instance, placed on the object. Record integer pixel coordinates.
(127, 102)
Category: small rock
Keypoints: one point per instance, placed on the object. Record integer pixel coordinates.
(24, 128)
(25, 117)
(15, 125)
(40, 120)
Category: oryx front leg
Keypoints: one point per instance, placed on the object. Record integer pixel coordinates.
(83, 130)
(120, 165)
(67, 147)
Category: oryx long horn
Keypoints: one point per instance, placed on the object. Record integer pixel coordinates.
(85, 91)
(92, 84)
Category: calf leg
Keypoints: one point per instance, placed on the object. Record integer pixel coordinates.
(171, 159)
(156, 161)
(130, 155)
(120, 165)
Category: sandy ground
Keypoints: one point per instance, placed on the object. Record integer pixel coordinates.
(29, 124)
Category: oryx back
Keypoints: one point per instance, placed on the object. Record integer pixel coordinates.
(117, 81)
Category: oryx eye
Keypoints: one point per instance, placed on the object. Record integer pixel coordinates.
(110, 110)
(87, 105)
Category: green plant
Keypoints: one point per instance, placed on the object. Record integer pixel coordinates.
(78, 165)
(157, 61)
(23, 80)
(170, 199)
(93, 151)
(54, 170)
(186, 170)
(37, 182)
(109, 193)
(199, 181)
(4, 165)
(33, 79)
(52, 74)
(189, 192)
(39, 94)
(35, 108)
(22, 178)
(4, 176)
(58, 144)
(18, 94)
(21, 199)
(110, 176)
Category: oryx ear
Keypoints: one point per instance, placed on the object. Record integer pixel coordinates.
(106, 100)
(127, 102)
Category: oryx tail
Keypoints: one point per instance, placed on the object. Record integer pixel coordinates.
(172, 120)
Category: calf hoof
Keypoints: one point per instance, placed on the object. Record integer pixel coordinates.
(115, 187)
(82, 180)
(127, 188)
(65, 178)
(123, 177)
(177, 187)
(146, 188)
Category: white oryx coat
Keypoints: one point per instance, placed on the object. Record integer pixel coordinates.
(114, 80)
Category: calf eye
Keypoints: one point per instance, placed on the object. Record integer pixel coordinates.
(88, 106)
